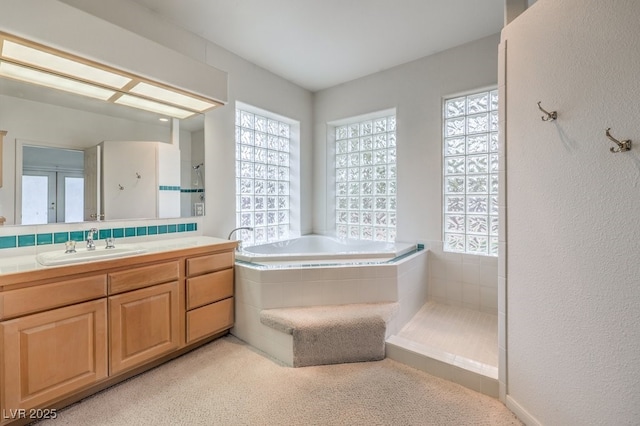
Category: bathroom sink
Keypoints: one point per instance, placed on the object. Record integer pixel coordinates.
(83, 255)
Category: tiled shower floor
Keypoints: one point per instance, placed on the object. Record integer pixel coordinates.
(463, 332)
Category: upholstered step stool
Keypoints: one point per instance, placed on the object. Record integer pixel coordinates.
(333, 334)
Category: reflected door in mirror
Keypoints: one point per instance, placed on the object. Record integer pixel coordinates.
(50, 197)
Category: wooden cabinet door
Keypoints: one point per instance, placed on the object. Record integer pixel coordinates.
(54, 353)
(144, 324)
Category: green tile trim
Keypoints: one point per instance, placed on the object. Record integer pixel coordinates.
(60, 237)
(43, 239)
(8, 242)
(26, 240)
(29, 240)
(76, 236)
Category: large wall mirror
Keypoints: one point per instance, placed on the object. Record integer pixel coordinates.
(51, 161)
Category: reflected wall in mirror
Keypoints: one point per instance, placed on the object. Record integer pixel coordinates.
(39, 117)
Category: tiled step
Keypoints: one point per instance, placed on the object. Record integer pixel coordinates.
(451, 342)
(472, 374)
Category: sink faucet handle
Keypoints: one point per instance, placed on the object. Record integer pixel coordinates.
(110, 243)
(70, 246)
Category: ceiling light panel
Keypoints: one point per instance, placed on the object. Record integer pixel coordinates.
(54, 81)
(23, 60)
(160, 108)
(60, 65)
(165, 95)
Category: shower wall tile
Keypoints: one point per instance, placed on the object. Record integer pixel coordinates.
(454, 293)
(489, 299)
(462, 279)
(470, 296)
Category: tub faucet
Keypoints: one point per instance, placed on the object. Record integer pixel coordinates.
(90, 235)
(248, 228)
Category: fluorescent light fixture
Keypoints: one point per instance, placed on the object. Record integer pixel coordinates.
(56, 82)
(140, 103)
(27, 61)
(176, 98)
(60, 65)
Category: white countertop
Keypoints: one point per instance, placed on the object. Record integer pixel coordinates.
(24, 263)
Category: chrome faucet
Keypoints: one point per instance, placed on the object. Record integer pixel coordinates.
(90, 235)
(248, 228)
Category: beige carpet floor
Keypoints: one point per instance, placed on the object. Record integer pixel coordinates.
(227, 382)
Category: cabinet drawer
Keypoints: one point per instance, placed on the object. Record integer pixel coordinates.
(209, 288)
(132, 279)
(211, 263)
(23, 301)
(209, 319)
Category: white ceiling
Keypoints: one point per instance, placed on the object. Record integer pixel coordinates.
(321, 43)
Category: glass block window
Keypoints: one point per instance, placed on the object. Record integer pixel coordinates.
(263, 174)
(366, 179)
(471, 174)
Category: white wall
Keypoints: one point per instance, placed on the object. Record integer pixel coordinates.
(247, 83)
(124, 195)
(416, 89)
(168, 174)
(572, 269)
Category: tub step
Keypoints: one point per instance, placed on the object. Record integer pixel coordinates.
(333, 334)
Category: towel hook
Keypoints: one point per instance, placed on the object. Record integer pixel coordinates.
(622, 145)
(120, 187)
(549, 116)
(138, 175)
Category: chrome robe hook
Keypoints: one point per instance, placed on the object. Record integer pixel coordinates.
(622, 145)
(549, 116)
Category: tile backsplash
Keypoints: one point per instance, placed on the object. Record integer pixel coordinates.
(13, 237)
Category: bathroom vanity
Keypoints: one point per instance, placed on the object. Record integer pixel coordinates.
(69, 331)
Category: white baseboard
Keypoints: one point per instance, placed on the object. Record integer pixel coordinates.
(521, 413)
